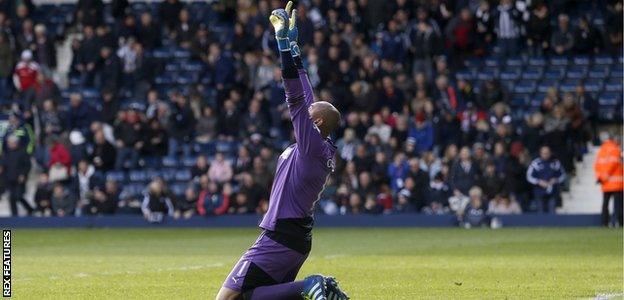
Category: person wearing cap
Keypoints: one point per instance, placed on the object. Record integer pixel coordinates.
(26, 71)
(609, 174)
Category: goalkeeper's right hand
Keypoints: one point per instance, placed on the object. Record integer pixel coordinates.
(293, 32)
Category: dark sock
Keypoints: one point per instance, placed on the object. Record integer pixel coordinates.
(289, 71)
(284, 291)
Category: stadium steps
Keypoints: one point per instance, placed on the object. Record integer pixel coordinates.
(585, 196)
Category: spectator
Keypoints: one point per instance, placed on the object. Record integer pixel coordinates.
(587, 39)
(562, 40)
(14, 168)
(26, 70)
(502, 205)
(185, 206)
(103, 153)
(181, 123)
(43, 196)
(220, 169)
(81, 114)
(538, 30)
(464, 174)
(156, 203)
(6, 64)
(507, 19)
(129, 139)
(546, 175)
(44, 50)
(103, 202)
(63, 202)
(475, 214)
(608, 168)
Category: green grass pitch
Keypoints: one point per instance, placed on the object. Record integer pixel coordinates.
(369, 263)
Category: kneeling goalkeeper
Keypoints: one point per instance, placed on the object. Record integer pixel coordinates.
(268, 269)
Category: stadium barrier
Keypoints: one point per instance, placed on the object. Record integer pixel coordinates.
(398, 220)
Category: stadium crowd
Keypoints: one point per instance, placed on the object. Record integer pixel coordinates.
(178, 108)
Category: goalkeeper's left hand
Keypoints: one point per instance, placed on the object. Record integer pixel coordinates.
(280, 21)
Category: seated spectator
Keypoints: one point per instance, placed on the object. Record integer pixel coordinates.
(220, 169)
(156, 139)
(156, 203)
(103, 201)
(404, 202)
(212, 202)
(129, 137)
(63, 202)
(503, 205)
(200, 168)
(103, 153)
(464, 173)
(437, 196)
(356, 207)
(186, 206)
(43, 197)
(475, 214)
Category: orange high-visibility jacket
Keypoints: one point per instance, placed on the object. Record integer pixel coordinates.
(608, 167)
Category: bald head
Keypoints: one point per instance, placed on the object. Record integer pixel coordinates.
(325, 116)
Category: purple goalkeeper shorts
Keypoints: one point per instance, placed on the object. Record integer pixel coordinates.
(267, 262)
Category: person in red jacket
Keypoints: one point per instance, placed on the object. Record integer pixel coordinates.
(26, 71)
(59, 157)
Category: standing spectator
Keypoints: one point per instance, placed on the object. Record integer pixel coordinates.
(103, 154)
(89, 12)
(109, 70)
(609, 172)
(6, 64)
(14, 168)
(80, 115)
(538, 30)
(546, 175)
(464, 173)
(181, 124)
(587, 39)
(44, 49)
(129, 136)
(460, 33)
(562, 40)
(168, 13)
(507, 19)
(26, 70)
(424, 45)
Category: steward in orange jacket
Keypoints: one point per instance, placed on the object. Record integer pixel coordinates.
(610, 174)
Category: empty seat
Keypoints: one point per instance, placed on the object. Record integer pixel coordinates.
(509, 75)
(598, 72)
(514, 61)
(169, 162)
(137, 176)
(464, 75)
(593, 85)
(558, 61)
(537, 61)
(525, 86)
(613, 86)
(491, 62)
(603, 60)
(117, 176)
(609, 99)
(183, 175)
(532, 74)
(581, 60)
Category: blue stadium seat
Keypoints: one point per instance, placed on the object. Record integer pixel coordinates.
(533, 74)
(464, 75)
(546, 84)
(168, 174)
(609, 99)
(603, 60)
(520, 99)
(169, 162)
(581, 60)
(617, 71)
(509, 75)
(183, 175)
(178, 188)
(491, 62)
(117, 176)
(598, 72)
(189, 162)
(486, 75)
(137, 176)
(525, 86)
(593, 85)
(577, 72)
(613, 85)
(537, 62)
(558, 61)
(514, 61)
(554, 74)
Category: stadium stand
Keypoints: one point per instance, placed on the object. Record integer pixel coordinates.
(438, 97)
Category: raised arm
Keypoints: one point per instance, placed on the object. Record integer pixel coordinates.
(298, 95)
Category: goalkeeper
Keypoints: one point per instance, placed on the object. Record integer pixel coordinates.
(268, 269)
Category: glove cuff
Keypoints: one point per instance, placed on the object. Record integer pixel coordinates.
(294, 49)
(283, 44)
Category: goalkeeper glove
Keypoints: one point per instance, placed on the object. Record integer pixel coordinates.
(293, 32)
(280, 22)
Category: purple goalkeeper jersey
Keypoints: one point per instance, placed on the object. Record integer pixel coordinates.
(302, 168)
